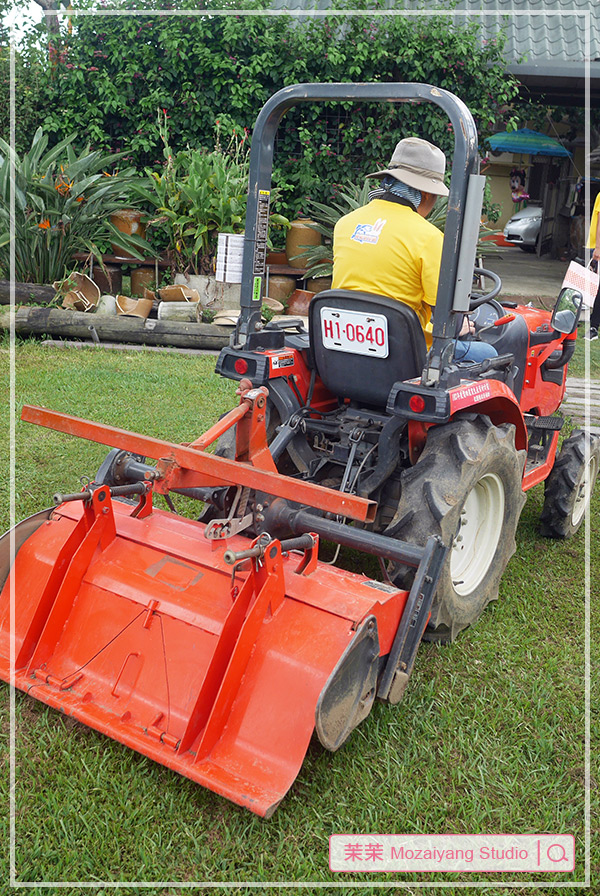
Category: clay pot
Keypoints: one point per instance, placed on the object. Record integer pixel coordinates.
(110, 282)
(129, 221)
(298, 238)
(178, 293)
(225, 318)
(273, 305)
(281, 288)
(140, 279)
(276, 258)
(134, 307)
(299, 301)
(318, 284)
(78, 291)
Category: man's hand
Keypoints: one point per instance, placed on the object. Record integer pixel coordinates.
(467, 329)
(596, 254)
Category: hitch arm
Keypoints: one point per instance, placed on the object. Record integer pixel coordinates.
(191, 467)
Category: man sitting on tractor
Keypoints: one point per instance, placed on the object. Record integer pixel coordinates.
(388, 247)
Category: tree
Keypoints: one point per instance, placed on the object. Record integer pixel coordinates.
(113, 73)
(52, 21)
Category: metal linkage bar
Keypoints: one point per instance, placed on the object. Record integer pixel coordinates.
(182, 462)
(408, 636)
(281, 515)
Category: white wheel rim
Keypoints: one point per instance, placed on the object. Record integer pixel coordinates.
(475, 543)
(584, 490)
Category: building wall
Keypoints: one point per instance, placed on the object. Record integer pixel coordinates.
(497, 172)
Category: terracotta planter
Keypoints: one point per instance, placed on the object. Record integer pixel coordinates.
(318, 284)
(276, 258)
(78, 291)
(179, 293)
(140, 279)
(129, 221)
(134, 307)
(281, 288)
(299, 237)
(299, 301)
(109, 282)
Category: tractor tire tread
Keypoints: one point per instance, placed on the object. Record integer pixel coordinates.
(556, 520)
(433, 493)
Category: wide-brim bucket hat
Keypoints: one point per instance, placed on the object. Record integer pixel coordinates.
(419, 164)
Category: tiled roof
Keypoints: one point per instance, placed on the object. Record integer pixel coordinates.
(538, 31)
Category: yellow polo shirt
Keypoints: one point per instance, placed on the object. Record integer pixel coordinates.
(389, 249)
(591, 240)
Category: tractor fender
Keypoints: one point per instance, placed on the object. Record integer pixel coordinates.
(493, 399)
(489, 398)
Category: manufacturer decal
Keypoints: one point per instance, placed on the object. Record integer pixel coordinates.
(280, 361)
(381, 586)
(477, 392)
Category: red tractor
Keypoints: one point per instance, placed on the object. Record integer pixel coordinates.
(218, 645)
(444, 448)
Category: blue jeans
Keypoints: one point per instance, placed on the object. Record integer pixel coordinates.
(467, 350)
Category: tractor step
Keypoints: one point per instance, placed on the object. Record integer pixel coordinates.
(552, 423)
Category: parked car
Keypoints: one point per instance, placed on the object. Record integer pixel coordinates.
(523, 229)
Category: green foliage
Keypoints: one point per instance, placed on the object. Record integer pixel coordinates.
(110, 74)
(198, 194)
(62, 204)
(319, 259)
(29, 74)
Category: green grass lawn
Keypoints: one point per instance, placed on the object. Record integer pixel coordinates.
(577, 364)
(489, 738)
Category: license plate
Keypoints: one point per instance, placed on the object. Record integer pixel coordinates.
(355, 331)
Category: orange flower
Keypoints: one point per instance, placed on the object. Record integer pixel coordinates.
(63, 186)
(45, 224)
(81, 199)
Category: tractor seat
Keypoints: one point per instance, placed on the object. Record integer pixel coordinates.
(361, 344)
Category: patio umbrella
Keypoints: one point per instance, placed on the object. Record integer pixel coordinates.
(528, 142)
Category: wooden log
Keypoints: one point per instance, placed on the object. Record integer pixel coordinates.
(26, 292)
(79, 325)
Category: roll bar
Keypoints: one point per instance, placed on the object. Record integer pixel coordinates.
(465, 163)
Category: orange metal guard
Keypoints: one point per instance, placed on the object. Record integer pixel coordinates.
(130, 620)
(131, 624)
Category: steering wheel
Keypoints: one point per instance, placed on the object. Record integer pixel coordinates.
(478, 299)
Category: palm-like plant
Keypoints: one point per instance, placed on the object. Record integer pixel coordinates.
(319, 259)
(62, 205)
(197, 195)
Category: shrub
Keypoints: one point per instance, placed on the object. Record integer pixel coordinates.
(112, 73)
(62, 204)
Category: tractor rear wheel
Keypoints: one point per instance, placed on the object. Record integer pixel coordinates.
(569, 486)
(465, 488)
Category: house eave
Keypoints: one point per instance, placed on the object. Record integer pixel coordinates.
(558, 83)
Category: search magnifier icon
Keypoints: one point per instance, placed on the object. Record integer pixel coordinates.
(557, 853)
